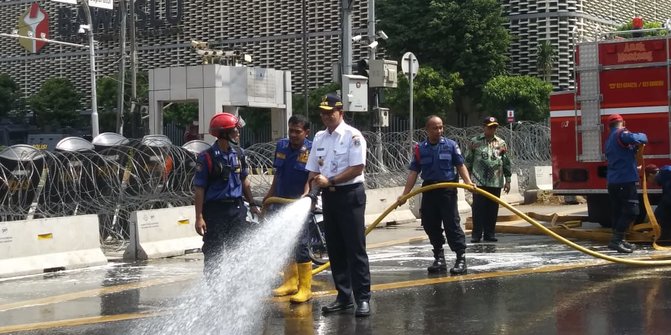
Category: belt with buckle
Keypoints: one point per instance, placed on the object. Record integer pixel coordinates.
(227, 200)
(343, 188)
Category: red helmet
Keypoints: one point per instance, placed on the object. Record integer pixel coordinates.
(223, 121)
(615, 118)
(651, 169)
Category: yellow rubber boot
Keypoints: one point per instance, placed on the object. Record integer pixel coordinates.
(304, 284)
(290, 284)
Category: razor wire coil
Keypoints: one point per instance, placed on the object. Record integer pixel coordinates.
(113, 181)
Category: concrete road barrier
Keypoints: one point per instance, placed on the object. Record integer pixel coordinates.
(378, 200)
(541, 178)
(46, 245)
(514, 196)
(165, 232)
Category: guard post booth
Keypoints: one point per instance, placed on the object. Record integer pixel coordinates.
(218, 89)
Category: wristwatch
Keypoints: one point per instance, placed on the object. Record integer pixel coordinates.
(331, 181)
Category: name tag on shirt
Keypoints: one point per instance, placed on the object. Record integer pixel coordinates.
(443, 156)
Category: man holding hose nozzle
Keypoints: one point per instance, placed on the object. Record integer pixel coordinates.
(336, 165)
(436, 160)
(290, 181)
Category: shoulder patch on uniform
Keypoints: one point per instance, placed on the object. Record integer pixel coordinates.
(356, 140)
(281, 155)
(456, 149)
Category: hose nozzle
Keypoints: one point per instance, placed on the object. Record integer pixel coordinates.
(313, 194)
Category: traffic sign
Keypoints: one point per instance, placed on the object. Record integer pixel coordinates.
(409, 64)
(511, 115)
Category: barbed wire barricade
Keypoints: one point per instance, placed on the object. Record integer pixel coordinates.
(113, 176)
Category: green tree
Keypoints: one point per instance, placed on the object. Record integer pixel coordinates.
(467, 37)
(107, 102)
(528, 96)
(646, 25)
(183, 114)
(9, 94)
(314, 98)
(106, 91)
(433, 93)
(56, 104)
(546, 56)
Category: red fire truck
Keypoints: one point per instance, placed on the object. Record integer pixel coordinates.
(613, 75)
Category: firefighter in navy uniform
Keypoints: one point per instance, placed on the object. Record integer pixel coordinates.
(662, 177)
(336, 165)
(290, 181)
(435, 159)
(622, 176)
(220, 183)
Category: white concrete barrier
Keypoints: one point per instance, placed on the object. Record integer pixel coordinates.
(514, 196)
(540, 178)
(464, 200)
(164, 232)
(45, 245)
(378, 200)
(463, 204)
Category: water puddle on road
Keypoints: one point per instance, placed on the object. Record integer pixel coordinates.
(236, 300)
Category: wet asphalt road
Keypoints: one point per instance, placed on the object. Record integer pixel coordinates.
(520, 285)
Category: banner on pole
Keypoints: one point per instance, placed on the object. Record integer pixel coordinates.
(107, 4)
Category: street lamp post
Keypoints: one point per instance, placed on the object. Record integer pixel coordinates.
(94, 102)
(92, 55)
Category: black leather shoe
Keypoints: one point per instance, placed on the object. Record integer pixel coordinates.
(475, 240)
(619, 247)
(629, 245)
(337, 306)
(460, 267)
(362, 309)
(491, 239)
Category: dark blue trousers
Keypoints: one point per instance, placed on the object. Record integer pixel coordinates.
(225, 222)
(344, 208)
(624, 205)
(439, 211)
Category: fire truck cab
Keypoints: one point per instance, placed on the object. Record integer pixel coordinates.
(613, 75)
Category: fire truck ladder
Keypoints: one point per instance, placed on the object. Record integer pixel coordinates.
(590, 127)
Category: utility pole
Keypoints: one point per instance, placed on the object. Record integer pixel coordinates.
(92, 55)
(346, 42)
(122, 68)
(376, 103)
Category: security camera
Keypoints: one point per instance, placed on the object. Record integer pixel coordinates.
(83, 28)
(198, 44)
(382, 35)
(357, 38)
(373, 45)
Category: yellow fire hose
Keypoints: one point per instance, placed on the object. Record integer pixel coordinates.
(656, 229)
(638, 262)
